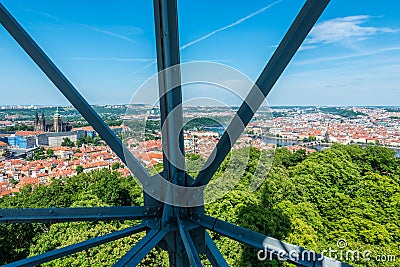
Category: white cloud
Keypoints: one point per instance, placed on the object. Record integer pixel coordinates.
(345, 29)
(348, 56)
(307, 47)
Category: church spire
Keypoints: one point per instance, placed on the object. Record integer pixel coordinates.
(36, 122)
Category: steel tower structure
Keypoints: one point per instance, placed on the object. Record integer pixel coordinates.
(179, 229)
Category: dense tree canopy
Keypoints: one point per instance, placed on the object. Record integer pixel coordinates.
(67, 142)
(342, 193)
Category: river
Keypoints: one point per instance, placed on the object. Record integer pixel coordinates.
(283, 142)
(286, 142)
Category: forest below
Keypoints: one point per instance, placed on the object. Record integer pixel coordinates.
(343, 193)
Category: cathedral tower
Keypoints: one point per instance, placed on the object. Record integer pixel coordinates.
(36, 122)
(57, 122)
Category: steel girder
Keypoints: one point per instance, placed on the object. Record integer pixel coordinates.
(170, 97)
(173, 227)
(141, 249)
(65, 251)
(56, 215)
(213, 254)
(278, 249)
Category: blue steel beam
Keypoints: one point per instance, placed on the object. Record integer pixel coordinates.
(193, 255)
(271, 246)
(70, 92)
(53, 215)
(168, 60)
(65, 251)
(289, 45)
(213, 254)
(141, 249)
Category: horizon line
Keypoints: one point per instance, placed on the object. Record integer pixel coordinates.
(224, 106)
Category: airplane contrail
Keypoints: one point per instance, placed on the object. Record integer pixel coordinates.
(216, 31)
(230, 25)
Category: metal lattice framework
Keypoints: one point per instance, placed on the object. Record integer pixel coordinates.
(179, 230)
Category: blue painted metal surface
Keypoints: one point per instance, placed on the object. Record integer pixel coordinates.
(213, 254)
(141, 249)
(277, 248)
(65, 251)
(168, 60)
(53, 215)
(167, 42)
(191, 251)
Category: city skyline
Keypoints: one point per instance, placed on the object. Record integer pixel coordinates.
(349, 59)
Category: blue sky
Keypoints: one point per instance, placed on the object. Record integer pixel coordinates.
(107, 48)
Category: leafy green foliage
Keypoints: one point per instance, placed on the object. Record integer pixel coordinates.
(50, 152)
(19, 127)
(67, 142)
(346, 192)
(42, 154)
(63, 234)
(79, 169)
(341, 112)
(115, 166)
(88, 140)
(200, 123)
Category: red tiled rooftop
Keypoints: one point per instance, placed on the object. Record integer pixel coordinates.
(5, 193)
(28, 133)
(84, 128)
